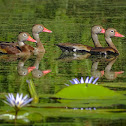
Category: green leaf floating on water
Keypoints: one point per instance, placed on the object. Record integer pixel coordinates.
(87, 90)
(81, 91)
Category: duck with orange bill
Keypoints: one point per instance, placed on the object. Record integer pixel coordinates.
(111, 49)
(74, 47)
(36, 30)
(18, 48)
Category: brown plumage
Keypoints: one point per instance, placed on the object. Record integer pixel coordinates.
(36, 29)
(111, 49)
(74, 47)
(18, 47)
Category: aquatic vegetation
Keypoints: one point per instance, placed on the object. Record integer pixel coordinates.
(87, 80)
(17, 102)
(87, 89)
(32, 91)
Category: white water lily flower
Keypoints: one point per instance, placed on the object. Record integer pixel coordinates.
(17, 102)
(87, 80)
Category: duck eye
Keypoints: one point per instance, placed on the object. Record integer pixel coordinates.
(112, 31)
(24, 73)
(40, 26)
(24, 34)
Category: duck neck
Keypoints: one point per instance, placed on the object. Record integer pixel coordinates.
(20, 43)
(38, 60)
(110, 43)
(95, 40)
(36, 37)
(38, 44)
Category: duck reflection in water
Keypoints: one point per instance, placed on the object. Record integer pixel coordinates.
(36, 72)
(95, 64)
(109, 60)
(110, 75)
(73, 56)
(22, 70)
(39, 50)
(74, 51)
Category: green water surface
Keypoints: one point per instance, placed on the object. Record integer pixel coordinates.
(70, 21)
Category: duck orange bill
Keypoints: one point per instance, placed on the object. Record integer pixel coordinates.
(118, 35)
(46, 30)
(120, 72)
(46, 71)
(103, 30)
(102, 72)
(31, 68)
(31, 39)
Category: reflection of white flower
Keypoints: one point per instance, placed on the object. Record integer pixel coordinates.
(87, 80)
(11, 117)
(17, 102)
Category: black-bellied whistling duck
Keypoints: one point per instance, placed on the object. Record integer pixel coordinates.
(72, 47)
(19, 47)
(36, 29)
(110, 32)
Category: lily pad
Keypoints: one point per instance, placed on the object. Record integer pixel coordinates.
(92, 91)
